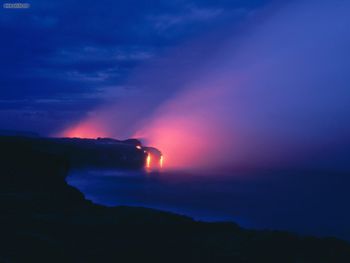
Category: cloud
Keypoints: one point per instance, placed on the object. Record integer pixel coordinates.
(164, 22)
(64, 49)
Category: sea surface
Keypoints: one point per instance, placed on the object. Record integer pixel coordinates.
(307, 203)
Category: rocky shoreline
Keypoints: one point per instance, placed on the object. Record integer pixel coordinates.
(43, 219)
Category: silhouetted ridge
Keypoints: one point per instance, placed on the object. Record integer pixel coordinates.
(45, 220)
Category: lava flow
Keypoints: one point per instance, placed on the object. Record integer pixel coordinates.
(154, 159)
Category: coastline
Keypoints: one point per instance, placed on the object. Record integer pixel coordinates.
(44, 219)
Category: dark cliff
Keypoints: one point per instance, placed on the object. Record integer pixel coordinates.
(45, 220)
(100, 152)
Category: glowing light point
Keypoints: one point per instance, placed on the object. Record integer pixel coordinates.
(148, 161)
(161, 160)
(138, 147)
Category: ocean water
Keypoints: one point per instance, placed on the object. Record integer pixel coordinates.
(307, 203)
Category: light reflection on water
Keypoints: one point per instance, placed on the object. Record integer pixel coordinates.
(305, 203)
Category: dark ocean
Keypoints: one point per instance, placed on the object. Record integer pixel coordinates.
(306, 203)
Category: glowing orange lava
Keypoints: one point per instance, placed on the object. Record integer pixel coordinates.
(148, 161)
(161, 161)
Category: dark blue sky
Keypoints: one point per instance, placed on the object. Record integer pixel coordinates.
(60, 59)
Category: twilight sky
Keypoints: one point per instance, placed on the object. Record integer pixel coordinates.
(246, 83)
(60, 59)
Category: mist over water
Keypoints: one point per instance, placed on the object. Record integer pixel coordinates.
(274, 95)
(305, 203)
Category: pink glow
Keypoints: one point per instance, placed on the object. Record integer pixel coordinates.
(86, 129)
(257, 101)
(189, 130)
